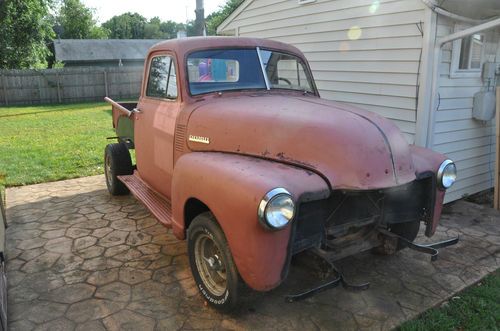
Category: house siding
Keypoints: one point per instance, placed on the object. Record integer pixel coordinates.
(470, 143)
(378, 71)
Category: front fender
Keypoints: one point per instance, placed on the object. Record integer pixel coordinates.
(232, 186)
(428, 161)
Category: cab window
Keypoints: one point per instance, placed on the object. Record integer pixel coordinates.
(162, 80)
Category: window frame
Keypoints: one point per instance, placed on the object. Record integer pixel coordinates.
(456, 52)
(303, 60)
(309, 78)
(173, 63)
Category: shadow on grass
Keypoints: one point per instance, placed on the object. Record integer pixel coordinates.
(51, 111)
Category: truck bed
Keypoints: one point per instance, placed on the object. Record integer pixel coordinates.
(123, 121)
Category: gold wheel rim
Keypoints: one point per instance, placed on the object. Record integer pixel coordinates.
(210, 264)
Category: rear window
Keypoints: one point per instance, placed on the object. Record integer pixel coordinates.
(224, 69)
(214, 70)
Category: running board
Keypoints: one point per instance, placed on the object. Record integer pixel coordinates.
(157, 205)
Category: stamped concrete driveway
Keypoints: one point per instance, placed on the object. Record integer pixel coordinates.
(80, 259)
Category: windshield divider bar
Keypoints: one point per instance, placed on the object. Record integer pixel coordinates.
(266, 79)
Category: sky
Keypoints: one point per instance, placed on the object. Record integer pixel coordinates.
(174, 10)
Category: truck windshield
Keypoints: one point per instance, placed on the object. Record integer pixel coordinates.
(241, 69)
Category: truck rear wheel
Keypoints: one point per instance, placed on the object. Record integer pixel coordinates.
(117, 162)
(211, 263)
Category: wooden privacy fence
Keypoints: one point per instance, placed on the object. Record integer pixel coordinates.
(26, 87)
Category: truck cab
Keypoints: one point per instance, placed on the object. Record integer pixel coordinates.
(237, 153)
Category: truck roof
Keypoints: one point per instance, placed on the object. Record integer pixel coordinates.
(183, 46)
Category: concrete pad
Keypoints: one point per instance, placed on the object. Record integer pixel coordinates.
(79, 258)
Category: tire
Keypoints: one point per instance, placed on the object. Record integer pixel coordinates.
(407, 230)
(216, 276)
(117, 162)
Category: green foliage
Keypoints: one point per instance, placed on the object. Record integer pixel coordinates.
(58, 65)
(477, 308)
(57, 141)
(216, 18)
(170, 29)
(27, 28)
(25, 31)
(126, 26)
(76, 21)
(135, 26)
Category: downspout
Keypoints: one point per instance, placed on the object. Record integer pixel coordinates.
(437, 61)
(438, 10)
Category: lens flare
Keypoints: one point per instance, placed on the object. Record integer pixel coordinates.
(344, 46)
(374, 6)
(354, 33)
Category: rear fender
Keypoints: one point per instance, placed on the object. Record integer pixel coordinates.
(232, 186)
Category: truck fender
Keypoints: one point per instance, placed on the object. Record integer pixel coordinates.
(427, 161)
(232, 187)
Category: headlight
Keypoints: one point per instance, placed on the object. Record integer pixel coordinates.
(276, 209)
(447, 174)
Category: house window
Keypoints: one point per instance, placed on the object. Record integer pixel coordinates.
(471, 52)
(468, 56)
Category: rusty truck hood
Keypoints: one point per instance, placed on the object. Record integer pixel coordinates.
(350, 147)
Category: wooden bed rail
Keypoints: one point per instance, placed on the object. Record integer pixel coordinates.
(124, 110)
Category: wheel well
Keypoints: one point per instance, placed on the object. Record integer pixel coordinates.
(193, 208)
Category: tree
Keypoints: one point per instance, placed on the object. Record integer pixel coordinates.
(135, 26)
(126, 26)
(170, 29)
(76, 21)
(25, 31)
(152, 29)
(216, 18)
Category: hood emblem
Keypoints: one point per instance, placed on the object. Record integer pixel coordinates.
(199, 139)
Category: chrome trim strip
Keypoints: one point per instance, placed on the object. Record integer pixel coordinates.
(440, 171)
(263, 205)
(266, 79)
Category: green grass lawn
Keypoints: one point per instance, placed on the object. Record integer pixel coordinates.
(54, 142)
(476, 308)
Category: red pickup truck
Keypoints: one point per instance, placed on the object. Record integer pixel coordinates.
(238, 154)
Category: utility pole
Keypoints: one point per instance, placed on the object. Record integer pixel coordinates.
(200, 19)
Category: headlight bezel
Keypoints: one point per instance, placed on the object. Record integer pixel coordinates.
(441, 172)
(265, 202)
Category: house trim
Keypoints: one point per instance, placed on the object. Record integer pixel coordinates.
(233, 15)
(425, 81)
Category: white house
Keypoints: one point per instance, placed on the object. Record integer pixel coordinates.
(416, 62)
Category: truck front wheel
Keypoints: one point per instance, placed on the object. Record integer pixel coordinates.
(211, 263)
(117, 162)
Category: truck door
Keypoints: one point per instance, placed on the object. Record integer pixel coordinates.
(155, 123)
